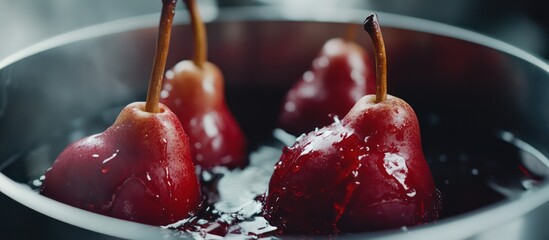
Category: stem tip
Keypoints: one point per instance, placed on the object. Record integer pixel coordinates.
(369, 22)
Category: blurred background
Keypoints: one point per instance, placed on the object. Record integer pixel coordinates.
(524, 24)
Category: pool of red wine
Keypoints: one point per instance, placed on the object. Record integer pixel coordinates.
(471, 170)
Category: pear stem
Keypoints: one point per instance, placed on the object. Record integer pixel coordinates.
(199, 29)
(162, 47)
(371, 25)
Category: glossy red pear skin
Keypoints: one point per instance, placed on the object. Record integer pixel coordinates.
(341, 74)
(313, 181)
(396, 186)
(370, 174)
(140, 169)
(197, 97)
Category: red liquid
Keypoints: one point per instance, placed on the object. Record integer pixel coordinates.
(233, 206)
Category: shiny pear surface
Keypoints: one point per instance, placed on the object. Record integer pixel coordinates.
(365, 172)
(139, 169)
(196, 96)
(340, 75)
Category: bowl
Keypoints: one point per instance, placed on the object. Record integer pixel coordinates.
(482, 106)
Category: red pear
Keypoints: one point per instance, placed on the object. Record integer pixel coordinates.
(365, 172)
(194, 90)
(140, 168)
(341, 74)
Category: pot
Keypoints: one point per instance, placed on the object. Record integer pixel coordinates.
(482, 106)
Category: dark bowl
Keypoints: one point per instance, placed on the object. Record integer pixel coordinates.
(483, 106)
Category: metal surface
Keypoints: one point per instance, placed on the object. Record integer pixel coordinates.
(477, 83)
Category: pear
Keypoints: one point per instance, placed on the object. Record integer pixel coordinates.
(340, 75)
(140, 168)
(366, 172)
(194, 90)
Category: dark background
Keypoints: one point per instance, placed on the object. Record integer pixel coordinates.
(522, 23)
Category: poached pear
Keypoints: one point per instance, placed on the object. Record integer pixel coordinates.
(340, 75)
(140, 168)
(366, 172)
(194, 90)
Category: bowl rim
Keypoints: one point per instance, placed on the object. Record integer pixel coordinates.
(449, 228)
